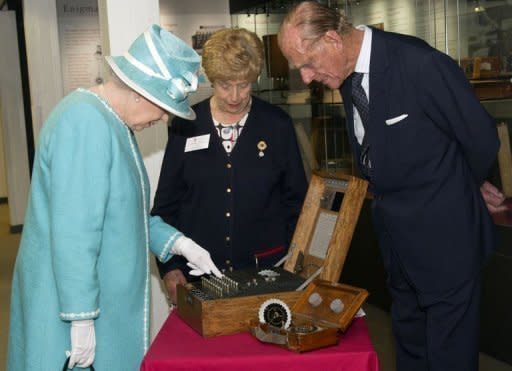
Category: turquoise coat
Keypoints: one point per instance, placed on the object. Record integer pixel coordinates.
(84, 251)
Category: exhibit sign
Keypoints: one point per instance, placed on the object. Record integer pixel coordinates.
(80, 45)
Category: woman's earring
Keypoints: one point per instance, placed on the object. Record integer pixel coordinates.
(137, 99)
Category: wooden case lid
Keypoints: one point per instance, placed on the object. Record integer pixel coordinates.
(329, 304)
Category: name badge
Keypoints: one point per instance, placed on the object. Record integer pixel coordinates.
(196, 143)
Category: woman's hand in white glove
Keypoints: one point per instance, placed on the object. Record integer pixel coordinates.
(198, 258)
(83, 344)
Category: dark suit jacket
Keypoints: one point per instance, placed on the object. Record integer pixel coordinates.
(427, 168)
(263, 194)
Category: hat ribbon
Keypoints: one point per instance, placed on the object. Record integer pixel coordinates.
(179, 87)
(143, 68)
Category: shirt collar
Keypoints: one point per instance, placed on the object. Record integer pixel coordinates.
(363, 61)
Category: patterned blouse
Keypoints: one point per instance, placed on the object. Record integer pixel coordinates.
(229, 133)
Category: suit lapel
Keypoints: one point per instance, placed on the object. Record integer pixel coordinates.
(379, 83)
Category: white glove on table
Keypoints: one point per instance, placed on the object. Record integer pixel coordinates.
(83, 344)
(198, 258)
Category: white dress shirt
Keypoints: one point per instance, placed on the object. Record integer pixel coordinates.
(363, 66)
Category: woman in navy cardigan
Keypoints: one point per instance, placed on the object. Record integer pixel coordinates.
(233, 179)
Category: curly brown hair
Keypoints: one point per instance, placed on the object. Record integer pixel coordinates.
(233, 54)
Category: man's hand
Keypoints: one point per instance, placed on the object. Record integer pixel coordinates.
(493, 198)
(171, 279)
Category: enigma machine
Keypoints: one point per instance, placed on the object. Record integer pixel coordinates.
(319, 247)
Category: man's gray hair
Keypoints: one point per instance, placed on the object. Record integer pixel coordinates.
(313, 20)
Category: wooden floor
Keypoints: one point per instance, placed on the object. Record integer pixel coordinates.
(377, 319)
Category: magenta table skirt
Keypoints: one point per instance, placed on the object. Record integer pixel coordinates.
(178, 347)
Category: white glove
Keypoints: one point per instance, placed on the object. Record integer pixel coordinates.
(198, 258)
(83, 344)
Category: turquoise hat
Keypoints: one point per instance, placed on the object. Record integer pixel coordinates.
(162, 68)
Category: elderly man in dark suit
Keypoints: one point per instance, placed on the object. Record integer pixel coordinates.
(426, 145)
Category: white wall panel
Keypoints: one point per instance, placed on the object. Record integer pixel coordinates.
(43, 59)
(3, 170)
(13, 120)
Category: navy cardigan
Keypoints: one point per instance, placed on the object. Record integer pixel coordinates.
(239, 205)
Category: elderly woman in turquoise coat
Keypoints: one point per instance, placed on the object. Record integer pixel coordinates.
(80, 292)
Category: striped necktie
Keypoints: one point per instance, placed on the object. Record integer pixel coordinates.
(360, 101)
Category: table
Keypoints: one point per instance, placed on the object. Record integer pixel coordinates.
(179, 347)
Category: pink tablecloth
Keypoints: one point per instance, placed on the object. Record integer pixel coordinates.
(178, 347)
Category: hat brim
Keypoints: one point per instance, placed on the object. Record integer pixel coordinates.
(151, 88)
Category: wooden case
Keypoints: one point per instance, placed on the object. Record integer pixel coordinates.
(224, 316)
(212, 315)
(315, 324)
(492, 88)
(309, 257)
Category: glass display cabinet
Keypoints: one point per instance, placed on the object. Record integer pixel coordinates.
(477, 34)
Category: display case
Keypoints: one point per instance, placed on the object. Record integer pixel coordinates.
(477, 34)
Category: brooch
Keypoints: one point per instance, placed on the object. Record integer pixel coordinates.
(262, 146)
